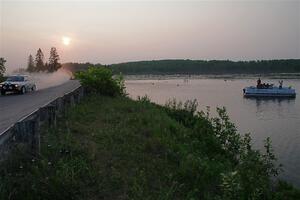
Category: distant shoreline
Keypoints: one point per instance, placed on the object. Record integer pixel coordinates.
(213, 76)
(201, 68)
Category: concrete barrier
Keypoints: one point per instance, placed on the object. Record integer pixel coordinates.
(27, 130)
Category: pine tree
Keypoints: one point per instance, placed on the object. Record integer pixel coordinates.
(31, 66)
(2, 67)
(39, 60)
(53, 65)
(46, 67)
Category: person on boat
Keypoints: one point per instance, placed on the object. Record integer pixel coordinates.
(280, 84)
(258, 83)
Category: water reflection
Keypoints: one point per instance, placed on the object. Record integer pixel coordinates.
(274, 101)
(276, 106)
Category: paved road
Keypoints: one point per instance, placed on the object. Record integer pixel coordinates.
(13, 107)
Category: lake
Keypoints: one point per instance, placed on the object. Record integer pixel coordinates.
(278, 119)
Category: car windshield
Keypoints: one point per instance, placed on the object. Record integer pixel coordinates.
(15, 78)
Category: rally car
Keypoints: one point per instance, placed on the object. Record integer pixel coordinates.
(17, 84)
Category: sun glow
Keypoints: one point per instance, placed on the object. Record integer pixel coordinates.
(66, 40)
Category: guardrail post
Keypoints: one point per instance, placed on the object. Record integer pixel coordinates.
(27, 131)
(52, 115)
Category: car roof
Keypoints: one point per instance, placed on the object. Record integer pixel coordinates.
(19, 75)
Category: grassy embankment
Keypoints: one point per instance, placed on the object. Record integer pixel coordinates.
(117, 148)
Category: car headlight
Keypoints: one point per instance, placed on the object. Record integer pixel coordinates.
(16, 85)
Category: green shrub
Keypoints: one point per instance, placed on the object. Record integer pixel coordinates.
(244, 173)
(100, 80)
(2, 78)
(144, 99)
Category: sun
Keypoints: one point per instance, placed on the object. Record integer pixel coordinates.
(66, 40)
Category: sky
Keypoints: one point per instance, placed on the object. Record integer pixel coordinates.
(119, 31)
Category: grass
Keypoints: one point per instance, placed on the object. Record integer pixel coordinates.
(117, 148)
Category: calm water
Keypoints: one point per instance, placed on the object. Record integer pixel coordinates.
(278, 119)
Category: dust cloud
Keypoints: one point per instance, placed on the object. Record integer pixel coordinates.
(45, 80)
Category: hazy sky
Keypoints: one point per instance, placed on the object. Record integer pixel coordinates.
(119, 31)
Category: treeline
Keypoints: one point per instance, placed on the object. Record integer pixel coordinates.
(39, 65)
(166, 67)
(208, 67)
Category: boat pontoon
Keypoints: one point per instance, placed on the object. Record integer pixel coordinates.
(271, 91)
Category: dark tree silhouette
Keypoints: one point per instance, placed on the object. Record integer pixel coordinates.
(53, 65)
(187, 67)
(30, 65)
(39, 60)
(2, 66)
(208, 67)
(46, 66)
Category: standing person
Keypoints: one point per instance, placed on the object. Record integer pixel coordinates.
(258, 83)
(280, 83)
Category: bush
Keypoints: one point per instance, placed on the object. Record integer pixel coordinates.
(100, 80)
(2, 79)
(244, 173)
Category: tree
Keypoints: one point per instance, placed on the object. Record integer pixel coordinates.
(31, 67)
(53, 65)
(46, 67)
(39, 60)
(2, 67)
